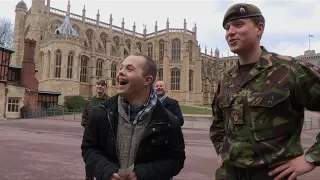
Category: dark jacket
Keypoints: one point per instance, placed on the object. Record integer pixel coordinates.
(91, 104)
(161, 153)
(173, 106)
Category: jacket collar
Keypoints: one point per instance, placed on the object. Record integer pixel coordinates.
(158, 114)
(104, 96)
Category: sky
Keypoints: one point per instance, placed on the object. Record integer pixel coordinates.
(288, 23)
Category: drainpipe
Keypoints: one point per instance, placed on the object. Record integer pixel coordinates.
(5, 100)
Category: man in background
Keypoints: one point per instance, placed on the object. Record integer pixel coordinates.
(167, 102)
(101, 87)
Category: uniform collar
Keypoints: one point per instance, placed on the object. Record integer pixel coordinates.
(265, 61)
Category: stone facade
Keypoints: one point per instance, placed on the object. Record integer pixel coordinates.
(73, 51)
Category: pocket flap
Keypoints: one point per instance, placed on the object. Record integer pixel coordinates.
(269, 98)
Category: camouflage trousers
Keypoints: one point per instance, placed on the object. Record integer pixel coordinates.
(227, 172)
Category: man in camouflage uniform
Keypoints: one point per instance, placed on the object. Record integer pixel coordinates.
(101, 87)
(259, 106)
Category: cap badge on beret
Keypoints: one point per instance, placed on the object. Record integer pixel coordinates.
(242, 10)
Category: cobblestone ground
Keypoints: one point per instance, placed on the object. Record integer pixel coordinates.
(38, 149)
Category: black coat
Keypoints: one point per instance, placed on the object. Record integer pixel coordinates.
(161, 153)
(173, 106)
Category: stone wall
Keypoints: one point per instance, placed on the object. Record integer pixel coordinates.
(197, 122)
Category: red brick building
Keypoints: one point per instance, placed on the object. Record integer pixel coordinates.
(20, 85)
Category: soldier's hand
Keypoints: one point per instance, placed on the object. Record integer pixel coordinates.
(116, 176)
(293, 168)
(220, 161)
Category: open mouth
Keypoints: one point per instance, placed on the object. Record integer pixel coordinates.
(123, 82)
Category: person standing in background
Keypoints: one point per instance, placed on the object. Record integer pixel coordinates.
(169, 103)
(101, 87)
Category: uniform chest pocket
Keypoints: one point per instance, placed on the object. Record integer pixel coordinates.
(232, 108)
(269, 114)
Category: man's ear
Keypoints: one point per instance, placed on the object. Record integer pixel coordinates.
(148, 80)
(260, 30)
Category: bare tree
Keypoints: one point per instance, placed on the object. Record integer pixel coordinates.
(6, 32)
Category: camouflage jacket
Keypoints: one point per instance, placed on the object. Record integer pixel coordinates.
(258, 121)
(92, 103)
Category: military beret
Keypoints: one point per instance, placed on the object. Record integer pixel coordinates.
(101, 81)
(241, 11)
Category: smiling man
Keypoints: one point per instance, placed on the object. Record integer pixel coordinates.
(101, 87)
(133, 130)
(169, 103)
(259, 106)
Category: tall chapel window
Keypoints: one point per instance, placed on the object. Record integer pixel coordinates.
(190, 50)
(70, 64)
(99, 68)
(113, 74)
(150, 50)
(175, 79)
(58, 64)
(161, 51)
(84, 69)
(176, 50)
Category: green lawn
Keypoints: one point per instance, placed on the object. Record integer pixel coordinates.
(195, 110)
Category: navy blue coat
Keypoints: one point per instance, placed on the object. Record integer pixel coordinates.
(173, 106)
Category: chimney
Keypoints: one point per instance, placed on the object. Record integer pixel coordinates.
(28, 65)
(28, 78)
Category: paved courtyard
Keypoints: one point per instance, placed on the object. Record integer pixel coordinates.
(37, 149)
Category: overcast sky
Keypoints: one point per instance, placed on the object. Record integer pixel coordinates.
(288, 23)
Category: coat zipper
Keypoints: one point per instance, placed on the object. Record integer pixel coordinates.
(114, 137)
(131, 138)
(112, 131)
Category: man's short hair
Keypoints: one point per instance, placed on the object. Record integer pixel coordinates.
(150, 67)
(257, 20)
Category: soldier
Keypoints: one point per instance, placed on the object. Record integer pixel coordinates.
(259, 106)
(101, 87)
